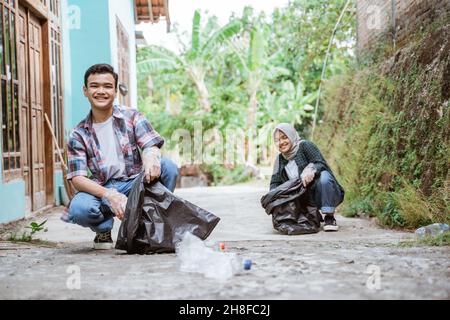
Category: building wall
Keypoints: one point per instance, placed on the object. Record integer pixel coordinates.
(395, 20)
(89, 37)
(86, 42)
(12, 200)
(124, 11)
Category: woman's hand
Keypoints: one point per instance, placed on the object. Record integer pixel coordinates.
(308, 174)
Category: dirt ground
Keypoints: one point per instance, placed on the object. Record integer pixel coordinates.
(361, 261)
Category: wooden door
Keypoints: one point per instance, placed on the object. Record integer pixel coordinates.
(31, 98)
(123, 52)
(22, 57)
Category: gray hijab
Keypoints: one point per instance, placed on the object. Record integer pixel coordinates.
(292, 135)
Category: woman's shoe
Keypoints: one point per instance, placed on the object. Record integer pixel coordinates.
(330, 223)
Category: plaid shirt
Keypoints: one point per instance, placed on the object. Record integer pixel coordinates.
(133, 131)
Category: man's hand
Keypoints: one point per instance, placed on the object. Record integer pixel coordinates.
(151, 158)
(308, 174)
(117, 201)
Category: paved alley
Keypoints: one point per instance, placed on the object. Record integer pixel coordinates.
(361, 261)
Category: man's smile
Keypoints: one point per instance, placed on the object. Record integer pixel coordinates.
(101, 98)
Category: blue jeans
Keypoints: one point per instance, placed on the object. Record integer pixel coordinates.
(89, 211)
(325, 193)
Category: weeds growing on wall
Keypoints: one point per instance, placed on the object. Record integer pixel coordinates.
(386, 132)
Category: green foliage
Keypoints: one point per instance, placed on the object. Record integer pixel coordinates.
(226, 176)
(28, 236)
(254, 71)
(439, 240)
(386, 133)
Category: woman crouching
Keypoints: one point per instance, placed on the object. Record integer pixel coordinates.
(301, 159)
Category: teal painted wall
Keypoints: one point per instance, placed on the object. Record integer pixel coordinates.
(86, 41)
(58, 185)
(12, 200)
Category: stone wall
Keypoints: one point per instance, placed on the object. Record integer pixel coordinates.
(395, 20)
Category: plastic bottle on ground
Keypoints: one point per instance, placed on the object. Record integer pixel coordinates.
(194, 256)
(432, 229)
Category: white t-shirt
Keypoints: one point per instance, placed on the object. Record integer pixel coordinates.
(292, 170)
(110, 149)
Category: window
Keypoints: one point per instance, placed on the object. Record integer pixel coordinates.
(56, 77)
(9, 92)
(124, 63)
(54, 7)
(56, 89)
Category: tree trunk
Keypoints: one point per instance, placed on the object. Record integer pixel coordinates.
(168, 104)
(198, 78)
(150, 87)
(203, 95)
(251, 125)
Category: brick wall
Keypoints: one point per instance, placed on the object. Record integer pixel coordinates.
(395, 20)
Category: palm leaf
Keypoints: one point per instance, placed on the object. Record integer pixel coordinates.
(256, 50)
(161, 52)
(156, 65)
(309, 98)
(220, 36)
(275, 72)
(195, 34)
(238, 59)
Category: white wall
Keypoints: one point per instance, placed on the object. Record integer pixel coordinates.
(124, 11)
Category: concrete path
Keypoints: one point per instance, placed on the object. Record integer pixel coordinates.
(361, 261)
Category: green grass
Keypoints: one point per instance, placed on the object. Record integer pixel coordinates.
(27, 237)
(439, 240)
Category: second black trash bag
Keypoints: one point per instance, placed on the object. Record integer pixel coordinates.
(290, 215)
(156, 219)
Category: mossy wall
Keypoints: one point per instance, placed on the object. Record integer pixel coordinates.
(386, 130)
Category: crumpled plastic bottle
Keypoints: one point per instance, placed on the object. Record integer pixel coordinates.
(432, 229)
(194, 256)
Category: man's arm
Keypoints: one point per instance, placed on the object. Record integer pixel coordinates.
(77, 157)
(85, 184)
(146, 135)
(150, 142)
(116, 200)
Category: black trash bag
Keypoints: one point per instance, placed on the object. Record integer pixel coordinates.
(290, 213)
(155, 220)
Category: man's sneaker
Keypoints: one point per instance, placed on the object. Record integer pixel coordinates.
(103, 241)
(330, 223)
(65, 215)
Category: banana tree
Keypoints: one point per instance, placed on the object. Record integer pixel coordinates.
(256, 68)
(195, 61)
(287, 103)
